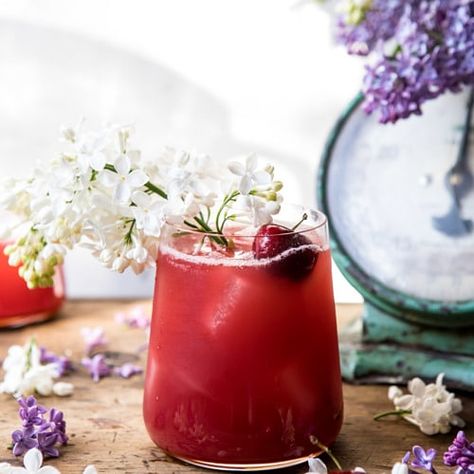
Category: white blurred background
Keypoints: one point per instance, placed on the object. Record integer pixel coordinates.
(221, 76)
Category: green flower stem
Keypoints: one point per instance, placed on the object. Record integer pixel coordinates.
(320, 445)
(155, 189)
(149, 185)
(400, 413)
(128, 235)
(31, 344)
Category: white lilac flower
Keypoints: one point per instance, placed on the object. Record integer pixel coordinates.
(400, 468)
(257, 210)
(249, 175)
(33, 462)
(431, 407)
(90, 469)
(33, 465)
(101, 195)
(5, 468)
(25, 374)
(317, 466)
(124, 180)
(147, 213)
(178, 208)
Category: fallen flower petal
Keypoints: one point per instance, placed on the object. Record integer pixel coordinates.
(93, 338)
(5, 468)
(90, 469)
(33, 461)
(97, 367)
(63, 389)
(423, 459)
(317, 466)
(128, 370)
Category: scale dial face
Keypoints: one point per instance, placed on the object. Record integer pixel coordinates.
(385, 190)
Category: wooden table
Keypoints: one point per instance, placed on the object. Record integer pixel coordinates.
(105, 420)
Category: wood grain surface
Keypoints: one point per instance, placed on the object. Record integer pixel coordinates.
(105, 419)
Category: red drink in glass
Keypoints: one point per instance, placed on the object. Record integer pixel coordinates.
(243, 366)
(20, 305)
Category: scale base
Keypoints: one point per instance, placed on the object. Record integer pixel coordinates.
(383, 349)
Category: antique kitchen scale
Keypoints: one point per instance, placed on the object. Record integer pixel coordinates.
(400, 202)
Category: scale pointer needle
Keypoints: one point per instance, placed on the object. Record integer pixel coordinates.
(458, 181)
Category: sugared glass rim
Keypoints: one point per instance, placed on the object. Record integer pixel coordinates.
(316, 217)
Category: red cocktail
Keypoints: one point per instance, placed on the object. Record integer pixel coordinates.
(20, 305)
(243, 366)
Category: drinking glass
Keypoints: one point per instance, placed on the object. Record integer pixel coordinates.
(243, 365)
(18, 304)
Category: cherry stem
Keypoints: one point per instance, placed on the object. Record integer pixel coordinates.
(303, 218)
(391, 412)
(320, 445)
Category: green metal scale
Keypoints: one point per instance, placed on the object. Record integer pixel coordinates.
(400, 203)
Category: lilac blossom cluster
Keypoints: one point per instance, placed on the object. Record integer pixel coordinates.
(460, 453)
(420, 50)
(40, 428)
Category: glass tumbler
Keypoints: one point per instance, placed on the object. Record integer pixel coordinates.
(243, 365)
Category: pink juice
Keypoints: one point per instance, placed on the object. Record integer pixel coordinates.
(243, 365)
(20, 305)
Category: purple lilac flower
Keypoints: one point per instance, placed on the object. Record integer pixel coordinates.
(47, 444)
(30, 412)
(460, 453)
(93, 338)
(63, 363)
(379, 23)
(424, 459)
(37, 431)
(127, 370)
(58, 425)
(136, 318)
(432, 52)
(24, 440)
(96, 366)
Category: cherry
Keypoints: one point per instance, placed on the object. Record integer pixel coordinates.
(272, 240)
